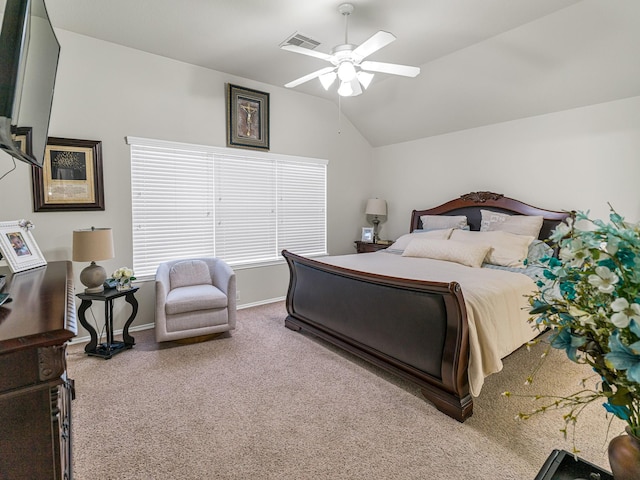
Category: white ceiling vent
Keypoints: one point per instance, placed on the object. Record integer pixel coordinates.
(300, 40)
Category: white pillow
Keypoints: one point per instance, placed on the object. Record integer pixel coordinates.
(435, 222)
(518, 224)
(469, 254)
(402, 242)
(508, 250)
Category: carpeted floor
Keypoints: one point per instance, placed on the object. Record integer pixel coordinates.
(264, 402)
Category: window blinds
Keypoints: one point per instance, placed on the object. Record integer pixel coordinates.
(241, 206)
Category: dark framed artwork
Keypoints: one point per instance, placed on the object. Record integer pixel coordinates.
(247, 118)
(70, 178)
(22, 137)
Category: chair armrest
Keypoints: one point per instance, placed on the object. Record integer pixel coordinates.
(222, 275)
(225, 279)
(162, 289)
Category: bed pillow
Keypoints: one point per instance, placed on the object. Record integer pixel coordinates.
(507, 249)
(469, 254)
(402, 242)
(518, 224)
(436, 222)
(537, 250)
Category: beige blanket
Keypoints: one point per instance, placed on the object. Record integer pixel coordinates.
(495, 301)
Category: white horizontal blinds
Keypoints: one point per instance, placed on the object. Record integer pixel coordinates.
(172, 205)
(302, 207)
(242, 206)
(245, 206)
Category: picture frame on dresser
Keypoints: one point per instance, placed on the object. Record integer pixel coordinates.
(18, 246)
(367, 235)
(70, 178)
(247, 118)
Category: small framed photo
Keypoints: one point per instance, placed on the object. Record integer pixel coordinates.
(367, 234)
(70, 178)
(18, 247)
(22, 137)
(247, 118)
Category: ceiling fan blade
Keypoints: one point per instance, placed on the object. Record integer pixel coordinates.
(393, 68)
(373, 44)
(311, 76)
(306, 51)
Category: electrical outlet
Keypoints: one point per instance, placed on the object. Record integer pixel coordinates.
(237, 294)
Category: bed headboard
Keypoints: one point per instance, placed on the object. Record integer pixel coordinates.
(471, 204)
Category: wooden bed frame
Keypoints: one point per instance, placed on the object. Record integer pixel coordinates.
(415, 329)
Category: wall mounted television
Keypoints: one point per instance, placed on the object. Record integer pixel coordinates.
(29, 52)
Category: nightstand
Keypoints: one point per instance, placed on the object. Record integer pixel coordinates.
(366, 247)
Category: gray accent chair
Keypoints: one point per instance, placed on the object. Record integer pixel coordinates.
(194, 297)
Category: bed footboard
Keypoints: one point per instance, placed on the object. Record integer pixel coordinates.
(414, 329)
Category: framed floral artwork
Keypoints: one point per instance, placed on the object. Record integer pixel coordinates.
(247, 118)
(18, 246)
(70, 178)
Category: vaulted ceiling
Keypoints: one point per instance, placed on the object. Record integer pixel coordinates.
(482, 62)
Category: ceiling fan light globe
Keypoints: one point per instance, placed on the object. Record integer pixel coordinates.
(327, 79)
(346, 71)
(365, 79)
(345, 89)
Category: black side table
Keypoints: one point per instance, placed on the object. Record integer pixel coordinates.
(109, 348)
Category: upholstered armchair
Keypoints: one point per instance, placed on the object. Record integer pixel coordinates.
(194, 297)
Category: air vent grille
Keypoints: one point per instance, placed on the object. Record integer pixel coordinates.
(300, 40)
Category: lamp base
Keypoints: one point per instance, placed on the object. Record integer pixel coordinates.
(376, 222)
(93, 277)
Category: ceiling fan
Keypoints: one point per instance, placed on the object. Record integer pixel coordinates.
(349, 64)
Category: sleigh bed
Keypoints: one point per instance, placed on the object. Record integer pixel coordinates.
(443, 325)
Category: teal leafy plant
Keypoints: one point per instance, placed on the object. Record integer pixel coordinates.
(589, 298)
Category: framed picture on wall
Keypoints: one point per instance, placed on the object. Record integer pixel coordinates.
(22, 137)
(70, 178)
(247, 118)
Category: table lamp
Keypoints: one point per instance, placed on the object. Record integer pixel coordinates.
(90, 245)
(378, 208)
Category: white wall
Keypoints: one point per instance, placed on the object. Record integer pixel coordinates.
(106, 92)
(577, 159)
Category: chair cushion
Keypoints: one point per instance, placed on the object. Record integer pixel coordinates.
(189, 272)
(193, 298)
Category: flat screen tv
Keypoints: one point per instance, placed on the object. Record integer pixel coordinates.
(29, 52)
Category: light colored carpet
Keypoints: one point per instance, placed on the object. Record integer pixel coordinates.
(265, 402)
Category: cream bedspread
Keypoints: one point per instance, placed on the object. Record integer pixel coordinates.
(495, 301)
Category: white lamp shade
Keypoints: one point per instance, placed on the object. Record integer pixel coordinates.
(345, 89)
(346, 71)
(365, 78)
(376, 206)
(92, 244)
(327, 79)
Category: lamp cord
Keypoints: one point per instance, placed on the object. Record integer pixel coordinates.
(14, 167)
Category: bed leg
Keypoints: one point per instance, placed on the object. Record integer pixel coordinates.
(456, 408)
(291, 325)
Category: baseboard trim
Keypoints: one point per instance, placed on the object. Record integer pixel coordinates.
(147, 326)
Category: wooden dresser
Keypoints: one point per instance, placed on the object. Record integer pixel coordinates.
(35, 393)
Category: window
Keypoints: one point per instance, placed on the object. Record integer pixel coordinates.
(242, 206)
